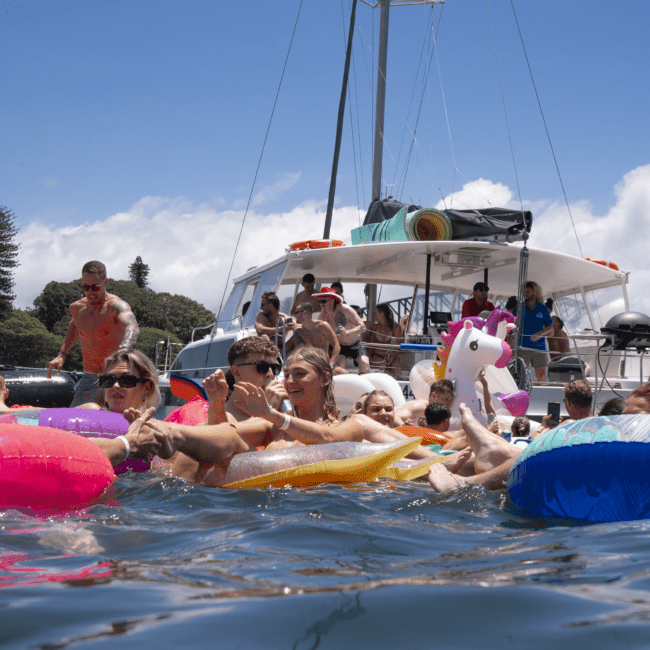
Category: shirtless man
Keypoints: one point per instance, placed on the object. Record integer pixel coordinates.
(346, 323)
(253, 360)
(441, 392)
(103, 323)
(558, 341)
(315, 333)
(265, 321)
(307, 294)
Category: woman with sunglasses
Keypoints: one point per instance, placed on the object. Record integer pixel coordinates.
(130, 383)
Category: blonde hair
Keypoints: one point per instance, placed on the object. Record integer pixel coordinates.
(537, 290)
(140, 362)
(321, 363)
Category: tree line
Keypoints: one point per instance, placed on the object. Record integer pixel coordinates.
(33, 337)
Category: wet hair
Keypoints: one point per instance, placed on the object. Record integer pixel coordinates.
(96, 268)
(536, 289)
(321, 363)
(387, 312)
(251, 345)
(579, 393)
(442, 386)
(308, 278)
(269, 296)
(520, 427)
(613, 406)
(144, 367)
(436, 414)
(642, 392)
(375, 393)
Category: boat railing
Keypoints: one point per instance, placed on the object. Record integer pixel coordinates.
(165, 351)
(201, 327)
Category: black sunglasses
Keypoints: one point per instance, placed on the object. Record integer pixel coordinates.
(263, 366)
(124, 381)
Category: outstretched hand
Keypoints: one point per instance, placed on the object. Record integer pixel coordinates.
(252, 400)
(145, 437)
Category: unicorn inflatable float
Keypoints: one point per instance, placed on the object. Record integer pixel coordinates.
(473, 345)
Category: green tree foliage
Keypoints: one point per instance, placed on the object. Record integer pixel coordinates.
(53, 305)
(24, 341)
(183, 314)
(138, 272)
(8, 260)
(148, 338)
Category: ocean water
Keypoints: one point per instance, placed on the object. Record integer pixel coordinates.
(163, 564)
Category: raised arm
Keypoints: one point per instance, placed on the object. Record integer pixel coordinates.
(253, 401)
(126, 318)
(70, 339)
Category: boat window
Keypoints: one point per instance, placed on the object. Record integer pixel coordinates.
(267, 281)
(227, 320)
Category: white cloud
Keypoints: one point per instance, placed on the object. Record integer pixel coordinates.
(271, 192)
(477, 194)
(189, 248)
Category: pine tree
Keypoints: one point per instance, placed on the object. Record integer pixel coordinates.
(8, 261)
(138, 272)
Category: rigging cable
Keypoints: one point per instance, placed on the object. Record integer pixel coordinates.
(250, 196)
(422, 96)
(548, 135)
(503, 100)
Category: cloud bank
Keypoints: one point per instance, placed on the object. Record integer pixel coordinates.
(189, 248)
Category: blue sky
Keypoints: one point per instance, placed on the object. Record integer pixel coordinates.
(135, 128)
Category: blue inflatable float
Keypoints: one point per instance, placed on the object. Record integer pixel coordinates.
(594, 470)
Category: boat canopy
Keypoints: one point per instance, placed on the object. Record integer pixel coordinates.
(455, 267)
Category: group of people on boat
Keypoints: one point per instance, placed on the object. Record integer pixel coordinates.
(246, 407)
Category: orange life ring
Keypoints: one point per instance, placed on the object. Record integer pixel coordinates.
(316, 243)
(609, 265)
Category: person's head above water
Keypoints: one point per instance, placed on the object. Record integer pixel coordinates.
(379, 406)
(254, 360)
(130, 380)
(442, 392)
(308, 381)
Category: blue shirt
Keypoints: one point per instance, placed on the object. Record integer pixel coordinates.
(534, 321)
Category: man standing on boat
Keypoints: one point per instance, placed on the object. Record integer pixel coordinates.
(316, 333)
(478, 302)
(537, 325)
(270, 317)
(346, 323)
(307, 293)
(103, 323)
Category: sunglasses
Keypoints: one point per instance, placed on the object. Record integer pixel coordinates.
(124, 381)
(264, 366)
(90, 287)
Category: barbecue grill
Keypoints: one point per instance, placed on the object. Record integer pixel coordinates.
(630, 329)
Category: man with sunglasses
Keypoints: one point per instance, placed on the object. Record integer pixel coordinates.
(103, 323)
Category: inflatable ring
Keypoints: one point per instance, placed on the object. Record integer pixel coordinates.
(307, 465)
(89, 423)
(592, 470)
(408, 470)
(313, 244)
(609, 265)
(50, 469)
(429, 436)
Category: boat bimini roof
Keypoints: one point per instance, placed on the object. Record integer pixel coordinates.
(455, 267)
